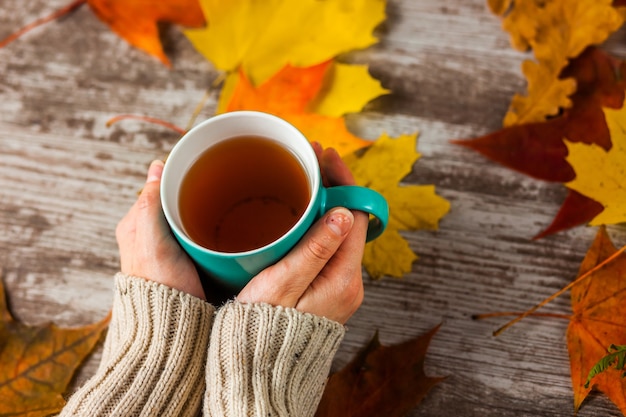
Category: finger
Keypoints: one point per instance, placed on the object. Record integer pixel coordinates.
(338, 290)
(336, 171)
(125, 234)
(139, 224)
(286, 281)
(148, 204)
(319, 150)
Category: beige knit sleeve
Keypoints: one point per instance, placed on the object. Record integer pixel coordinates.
(154, 356)
(268, 361)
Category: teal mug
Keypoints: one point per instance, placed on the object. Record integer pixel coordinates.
(234, 269)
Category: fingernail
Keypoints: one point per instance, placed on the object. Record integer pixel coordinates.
(155, 171)
(340, 221)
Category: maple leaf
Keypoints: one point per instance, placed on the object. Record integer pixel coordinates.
(547, 95)
(598, 321)
(346, 89)
(343, 89)
(37, 363)
(288, 95)
(556, 31)
(601, 174)
(382, 166)
(380, 381)
(499, 7)
(538, 149)
(134, 20)
(262, 37)
(575, 210)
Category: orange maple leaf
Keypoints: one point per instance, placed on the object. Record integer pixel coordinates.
(288, 94)
(134, 20)
(37, 363)
(599, 320)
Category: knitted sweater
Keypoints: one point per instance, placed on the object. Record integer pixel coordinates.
(168, 353)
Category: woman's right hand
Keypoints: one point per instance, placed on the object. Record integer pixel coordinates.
(321, 275)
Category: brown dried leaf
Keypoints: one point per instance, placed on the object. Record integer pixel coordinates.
(38, 362)
(381, 380)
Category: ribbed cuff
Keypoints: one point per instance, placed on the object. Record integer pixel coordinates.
(266, 360)
(154, 356)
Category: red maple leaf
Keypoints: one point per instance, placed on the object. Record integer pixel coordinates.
(538, 150)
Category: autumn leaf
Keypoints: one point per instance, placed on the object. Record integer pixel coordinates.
(288, 94)
(547, 95)
(346, 89)
(538, 149)
(556, 31)
(575, 210)
(38, 362)
(262, 37)
(499, 7)
(134, 20)
(380, 381)
(411, 207)
(601, 174)
(598, 321)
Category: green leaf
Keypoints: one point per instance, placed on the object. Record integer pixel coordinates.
(617, 356)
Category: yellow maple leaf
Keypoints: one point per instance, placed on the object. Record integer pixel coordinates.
(262, 37)
(547, 94)
(346, 89)
(288, 94)
(601, 174)
(411, 207)
(556, 30)
(499, 7)
(520, 21)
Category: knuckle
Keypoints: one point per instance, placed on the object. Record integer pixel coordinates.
(122, 229)
(149, 196)
(285, 294)
(318, 250)
(353, 292)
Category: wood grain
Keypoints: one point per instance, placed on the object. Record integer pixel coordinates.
(66, 179)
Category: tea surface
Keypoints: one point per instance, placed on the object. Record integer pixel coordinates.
(242, 194)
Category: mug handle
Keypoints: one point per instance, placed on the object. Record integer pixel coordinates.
(359, 198)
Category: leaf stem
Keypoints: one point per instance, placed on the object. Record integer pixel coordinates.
(61, 12)
(148, 119)
(214, 85)
(517, 313)
(198, 109)
(561, 291)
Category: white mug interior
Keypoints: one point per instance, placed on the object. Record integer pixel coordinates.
(224, 127)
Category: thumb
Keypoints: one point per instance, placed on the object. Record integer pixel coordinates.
(148, 203)
(286, 281)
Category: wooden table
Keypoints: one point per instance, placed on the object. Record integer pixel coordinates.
(66, 179)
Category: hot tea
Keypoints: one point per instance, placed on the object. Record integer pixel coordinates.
(242, 194)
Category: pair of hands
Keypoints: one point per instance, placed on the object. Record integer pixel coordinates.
(321, 275)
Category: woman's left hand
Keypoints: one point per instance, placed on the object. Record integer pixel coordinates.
(148, 248)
